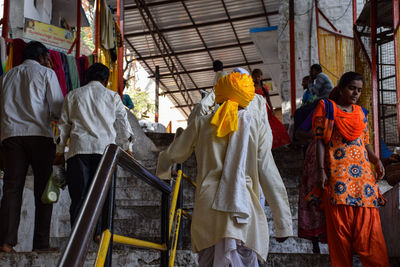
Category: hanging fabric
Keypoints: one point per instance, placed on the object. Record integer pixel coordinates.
(82, 64)
(107, 31)
(3, 54)
(105, 58)
(73, 73)
(18, 48)
(90, 60)
(66, 70)
(58, 69)
(9, 63)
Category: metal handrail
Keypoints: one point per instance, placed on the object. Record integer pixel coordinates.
(78, 243)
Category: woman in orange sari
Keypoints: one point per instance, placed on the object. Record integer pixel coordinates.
(351, 196)
(279, 133)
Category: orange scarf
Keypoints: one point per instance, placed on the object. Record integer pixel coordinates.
(350, 125)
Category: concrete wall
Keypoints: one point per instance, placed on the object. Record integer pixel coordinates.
(40, 12)
(306, 51)
(19, 9)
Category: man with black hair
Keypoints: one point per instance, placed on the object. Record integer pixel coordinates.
(30, 97)
(207, 102)
(320, 85)
(92, 118)
(218, 67)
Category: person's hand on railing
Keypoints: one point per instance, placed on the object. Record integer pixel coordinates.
(59, 159)
(130, 153)
(174, 172)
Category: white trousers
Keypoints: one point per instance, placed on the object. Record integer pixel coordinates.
(228, 253)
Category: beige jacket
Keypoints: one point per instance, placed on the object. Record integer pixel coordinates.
(210, 226)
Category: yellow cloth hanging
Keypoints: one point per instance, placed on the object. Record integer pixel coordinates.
(9, 63)
(232, 90)
(105, 58)
(113, 81)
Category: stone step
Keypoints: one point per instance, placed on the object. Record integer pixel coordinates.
(131, 191)
(127, 258)
(151, 258)
(149, 232)
(294, 245)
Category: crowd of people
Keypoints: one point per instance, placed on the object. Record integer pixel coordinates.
(232, 131)
(90, 117)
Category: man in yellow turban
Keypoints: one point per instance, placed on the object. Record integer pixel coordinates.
(234, 164)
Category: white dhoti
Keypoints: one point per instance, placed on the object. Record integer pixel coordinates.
(228, 253)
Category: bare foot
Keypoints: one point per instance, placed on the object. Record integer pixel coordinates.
(6, 248)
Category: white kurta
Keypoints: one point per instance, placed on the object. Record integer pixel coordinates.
(210, 226)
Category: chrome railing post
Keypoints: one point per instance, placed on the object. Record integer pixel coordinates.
(78, 243)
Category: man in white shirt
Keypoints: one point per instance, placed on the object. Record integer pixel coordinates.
(92, 118)
(30, 97)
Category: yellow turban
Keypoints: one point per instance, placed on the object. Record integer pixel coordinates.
(232, 90)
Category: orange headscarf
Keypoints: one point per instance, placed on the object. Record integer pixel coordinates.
(232, 90)
(327, 115)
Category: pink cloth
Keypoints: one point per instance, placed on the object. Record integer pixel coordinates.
(59, 70)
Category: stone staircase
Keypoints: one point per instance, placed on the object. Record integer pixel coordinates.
(137, 214)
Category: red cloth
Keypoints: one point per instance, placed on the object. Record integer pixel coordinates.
(59, 70)
(354, 229)
(311, 218)
(279, 133)
(82, 64)
(18, 48)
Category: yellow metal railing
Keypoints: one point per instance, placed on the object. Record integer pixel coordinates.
(174, 224)
(174, 200)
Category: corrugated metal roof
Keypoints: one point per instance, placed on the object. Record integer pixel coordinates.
(196, 32)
